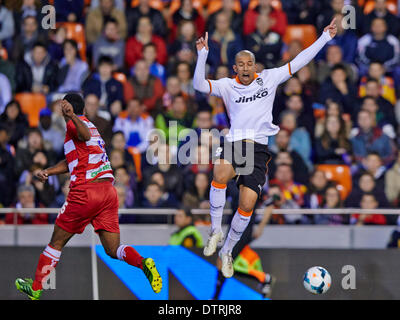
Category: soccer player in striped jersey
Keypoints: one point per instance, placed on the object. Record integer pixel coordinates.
(92, 199)
(249, 101)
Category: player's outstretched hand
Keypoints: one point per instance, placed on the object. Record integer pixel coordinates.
(332, 28)
(202, 43)
(42, 175)
(67, 109)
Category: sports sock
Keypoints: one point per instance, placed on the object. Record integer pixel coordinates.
(130, 256)
(239, 223)
(47, 262)
(217, 203)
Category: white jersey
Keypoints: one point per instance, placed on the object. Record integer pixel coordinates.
(250, 107)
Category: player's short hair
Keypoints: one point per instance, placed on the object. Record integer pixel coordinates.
(76, 101)
(243, 52)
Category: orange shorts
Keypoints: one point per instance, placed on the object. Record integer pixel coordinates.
(95, 203)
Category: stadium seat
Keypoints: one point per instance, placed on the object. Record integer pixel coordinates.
(340, 174)
(75, 31)
(370, 5)
(276, 4)
(215, 5)
(306, 33)
(31, 104)
(155, 4)
(176, 4)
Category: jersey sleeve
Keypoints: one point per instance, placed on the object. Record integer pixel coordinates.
(71, 130)
(280, 74)
(216, 87)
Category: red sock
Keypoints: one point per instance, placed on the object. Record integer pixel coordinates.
(47, 262)
(130, 256)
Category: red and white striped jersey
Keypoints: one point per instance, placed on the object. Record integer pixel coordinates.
(87, 160)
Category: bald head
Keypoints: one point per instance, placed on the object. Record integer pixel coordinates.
(245, 53)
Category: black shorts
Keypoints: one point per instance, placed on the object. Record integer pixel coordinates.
(249, 160)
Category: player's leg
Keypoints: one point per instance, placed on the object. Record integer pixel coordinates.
(240, 221)
(112, 246)
(222, 174)
(48, 260)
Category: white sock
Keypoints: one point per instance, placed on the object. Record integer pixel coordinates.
(217, 203)
(238, 225)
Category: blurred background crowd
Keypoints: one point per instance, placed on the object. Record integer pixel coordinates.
(133, 61)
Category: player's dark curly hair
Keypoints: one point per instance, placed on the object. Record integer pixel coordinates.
(76, 101)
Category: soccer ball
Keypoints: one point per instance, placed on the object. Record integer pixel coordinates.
(317, 280)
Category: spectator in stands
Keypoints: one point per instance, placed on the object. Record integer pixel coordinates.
(73, 71)
(291, 189)
(143, 36)
(45, 192)
(368, 201)
(378, 46)
(333, 147)
(134, 15)
(279, 200)
(109, 90)
(168, 195)
(173, 89)
(301, 12)
(277, 17)
(23, 9)
(50, 133)
(162, 162)
(380, 11)
(37, 72)
(234, 19)
(346, 39)
(110, 44)
(331, 200)
(299, 138)
(5, 92)
(374, 166)
(308, 79)
(156, 69)
(392, 183)
(197, 196)
(178, 113)
(97, 17)
(144, 86)
(7, 25)
(183, 49)
(264, 43)
(62, 196)
(136, 126)
(152, 199)
(24, 155)
(118, 142)
(7, 68)
(187, 234)
(223, 43)
(316, 189)
(116, 158)
(300, 169)
(302, 110)
(14, 121)
(26, 199)
(69, 11)
(23, 42)
(184, 74)
(125, 178)
(187, 13)
(56, 42)
(103, 124)
(366, 184)
(282, 144)
(334, 56)
(7, 177)
(334, 109)
(339, 88)
(370, 138)
(377, 71)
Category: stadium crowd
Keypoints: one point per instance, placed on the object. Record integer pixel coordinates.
(133, 61)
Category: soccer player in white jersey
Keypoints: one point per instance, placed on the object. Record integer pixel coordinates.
(249, 100)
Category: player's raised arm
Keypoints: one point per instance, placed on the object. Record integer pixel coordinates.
(68, 112)
(304, 57)
(199, 80)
